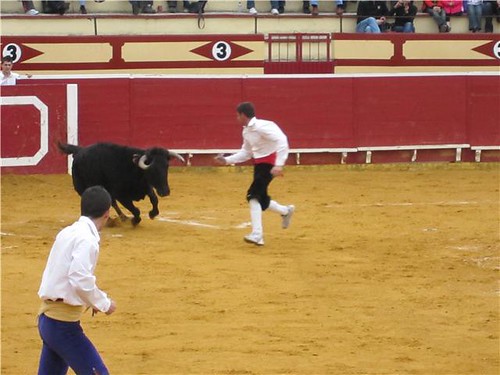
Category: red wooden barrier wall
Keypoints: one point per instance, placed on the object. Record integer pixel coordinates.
(21, 127)
(315, 112)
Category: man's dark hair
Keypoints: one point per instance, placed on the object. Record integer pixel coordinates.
(95, 202)
(7, 59)
(247, 109)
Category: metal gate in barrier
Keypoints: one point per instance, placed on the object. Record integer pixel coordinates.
(298, 54)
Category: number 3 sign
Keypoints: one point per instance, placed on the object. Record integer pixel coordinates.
(221, 51)
(12, 50)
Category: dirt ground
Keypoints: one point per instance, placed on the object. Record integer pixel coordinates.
(384, 270)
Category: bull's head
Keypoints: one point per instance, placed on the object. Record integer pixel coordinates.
(155, 162)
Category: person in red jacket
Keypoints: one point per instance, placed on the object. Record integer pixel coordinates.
(452, 8)
(436, 10)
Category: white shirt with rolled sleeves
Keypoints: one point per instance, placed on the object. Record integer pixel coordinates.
(69, 273)
(261, 138)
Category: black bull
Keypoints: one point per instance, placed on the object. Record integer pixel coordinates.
(128, 174)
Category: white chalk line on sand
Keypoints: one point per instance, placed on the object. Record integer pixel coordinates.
(187, 222)
(410, 204)
(199, 224)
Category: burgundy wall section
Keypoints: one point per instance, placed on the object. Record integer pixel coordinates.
(315, 112)
(20, 126)
(410, 111)
(483, 114)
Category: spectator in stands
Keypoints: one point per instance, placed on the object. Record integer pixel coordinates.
(172, 6)
(371, 16)
(474, 13)
(405, 13)
(276, 6)
(452, 8)
(8, 77)
(315, 11)
(29, 8)
(54, 7)
(435, 9)
(144, 6)
(83, 9)
(490, 9)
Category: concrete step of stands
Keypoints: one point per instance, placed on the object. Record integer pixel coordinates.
(221, 17)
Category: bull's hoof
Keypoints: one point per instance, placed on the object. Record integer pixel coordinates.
(136, 220)
(112, 222)
(153, 214)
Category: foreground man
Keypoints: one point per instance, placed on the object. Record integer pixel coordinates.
(266, 143)
(68, 289)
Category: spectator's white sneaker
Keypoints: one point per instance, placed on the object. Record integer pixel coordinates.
(255, 239)
(252, 11)
(286, 219)
(32, 12)
(275, 12)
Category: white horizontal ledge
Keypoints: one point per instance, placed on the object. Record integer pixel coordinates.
(412, 147)
(292, 150)
(485, 147)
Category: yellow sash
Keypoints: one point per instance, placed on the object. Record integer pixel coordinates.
(59, 310)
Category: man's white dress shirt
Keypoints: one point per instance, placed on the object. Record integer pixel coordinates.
(69, 273)
(10, 80)
(261, 138)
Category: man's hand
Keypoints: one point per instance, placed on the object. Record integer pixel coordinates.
(277, 171)
(220, 159)
(112, 308)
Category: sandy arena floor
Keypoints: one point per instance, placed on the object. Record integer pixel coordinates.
(385, 270)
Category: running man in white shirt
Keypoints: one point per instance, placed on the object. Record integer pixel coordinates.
(266, 143)
(69, 287)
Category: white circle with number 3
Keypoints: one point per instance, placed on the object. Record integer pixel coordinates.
(12, 50)
(496, 50)
(221, 51)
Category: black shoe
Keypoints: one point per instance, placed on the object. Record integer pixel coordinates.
(306, 11)
(136, 9)
(83, 10)
(172, 9)
(281, 10)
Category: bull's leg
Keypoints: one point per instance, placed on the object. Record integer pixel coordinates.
(133, 209)
(154, 202)
(120, 213)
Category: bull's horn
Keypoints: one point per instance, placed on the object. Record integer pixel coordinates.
(142, 162)
(176, 155)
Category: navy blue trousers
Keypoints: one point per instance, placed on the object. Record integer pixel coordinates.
(65, 345)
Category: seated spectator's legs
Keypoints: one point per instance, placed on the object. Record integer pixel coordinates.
(281, 6)
(29, 8)
(474, 13)
(136, 6)
(250, 4)
(439, 18)
(305, 7)
(275, 4)
(368, 25)
(407, 28)
(488, 16)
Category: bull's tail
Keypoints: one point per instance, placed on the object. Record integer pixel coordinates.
(68, 149)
